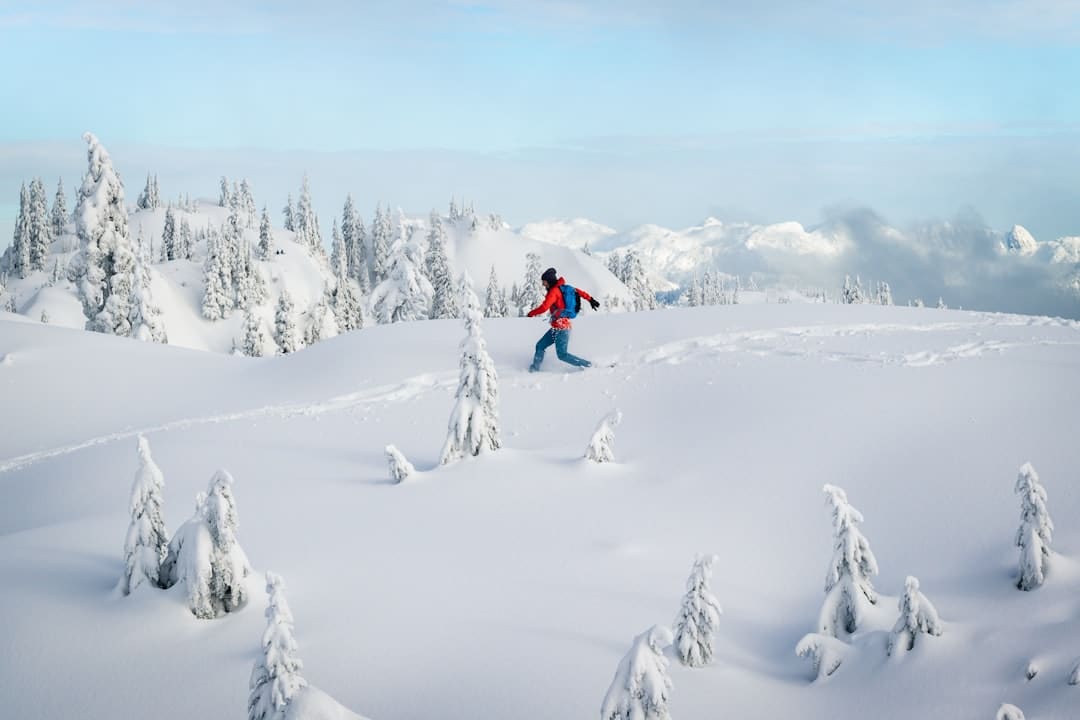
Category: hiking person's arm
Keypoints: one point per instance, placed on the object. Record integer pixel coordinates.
(588, 298)
(543, 307)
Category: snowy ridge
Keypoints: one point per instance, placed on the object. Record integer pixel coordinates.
(723, 409)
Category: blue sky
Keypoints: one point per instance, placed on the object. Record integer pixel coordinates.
(616, 110)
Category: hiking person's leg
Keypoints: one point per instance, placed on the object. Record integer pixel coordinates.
(562, 342)
(542, 345)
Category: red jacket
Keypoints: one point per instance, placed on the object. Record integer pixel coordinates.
(555, 304)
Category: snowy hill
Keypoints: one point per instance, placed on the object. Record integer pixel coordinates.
(510, 586)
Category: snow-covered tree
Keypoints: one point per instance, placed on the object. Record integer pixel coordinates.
(289, 213)
(941, 304)
(400, 468)
(495, 300)
(58, 215)
(615, 265)
(44, 316)
(474, 421)
(852, 294)
(637, 280)
(276, 678)
(1009, 712)
(917, 616)
(146, 321)
(824, 651)
(1035, 533)
(224, 195)
(217, 279)
(381, 241)
(228, 588)
(641, 687)
(321, 323)
(405, 294)
(189, 561)
(266, 236)
(147, 542)
(185, 241)
(41, 235)
(601, 447)
(150, 197)
(884, 294)
(246, 202)
(699, 617)
(531, 289)
(848, 588)
(305, 223)
(106, 263)
(254, 341)
(444, 300)
(17, 256)
(693, 293)
(169, 249)
(285, 333)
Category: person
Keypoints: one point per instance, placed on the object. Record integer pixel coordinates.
(559, 334)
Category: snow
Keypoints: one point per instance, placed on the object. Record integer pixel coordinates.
(509, 585)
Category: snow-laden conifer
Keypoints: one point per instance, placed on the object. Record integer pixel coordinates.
(289, 214)
(917, 616)
(189, 561)
(400, 468)
(150, 197)
(825, 653)
(217, 279)
(693, 293)
(146, 321)
(17, 255)
(941, 304)
(253, 343)
(228, 588)
(58, 215)
(348, 313)
(275, 678)
(248, 212)
(405, 294)
(286, 334)
(474, 421)
(495, 299)
(884, 294)
(147, 541)
(224, 195)
(637, 280)
(266, 236)
(699, 617)
(615, 265)
(41, 234)
(601, 447)
(169, 249)
(532, 290)
(381, 242)
(103, 269)
(305, 223)
(444, 300)
(1036, 529)
(641, 687)
(321, 323)
(848, 588)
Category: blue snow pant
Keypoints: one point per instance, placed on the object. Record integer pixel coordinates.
(560, 339)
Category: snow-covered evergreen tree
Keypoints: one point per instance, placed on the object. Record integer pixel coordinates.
(917, 616)
(217, 279)
(147, 542)
(1035, 533)
(355, 236)
(254, 340)
(848, 588)
(106, 263)
(641, 687)
(346, 302)
(941, 304)
(266, 236)
(228, 588)
(246, 201)
(304, 221)
(41, 235)
(224, 195)
(699, 617)
(58, 215)
(693, 293)
(531, 289)
(824, 651)
(495, 300)
(17, 256)
(169, 244)
(601, 447)
(150, 197)
(146, 321)
(474, 421)
(637, 280)
(289, 213)
(380, 245)
(275, 679)
(884, 294)
(285, 333)
(616, 266)
(405, 294)
(400, 468)
(710, 289)
(444, 302)
(189, 561)
(321, 323)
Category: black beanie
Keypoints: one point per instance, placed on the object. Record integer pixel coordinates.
(550, 276)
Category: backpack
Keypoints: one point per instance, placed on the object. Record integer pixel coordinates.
(571, 301)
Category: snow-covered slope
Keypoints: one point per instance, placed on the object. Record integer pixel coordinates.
(178, 285)
(510, 586)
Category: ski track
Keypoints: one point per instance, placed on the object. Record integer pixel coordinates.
(757, 342)
(410, 388)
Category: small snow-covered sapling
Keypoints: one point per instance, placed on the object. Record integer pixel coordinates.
(601, 448)
(400, 468)
(699, 617)
(1036, 529)
(917, 616)
(641, 687)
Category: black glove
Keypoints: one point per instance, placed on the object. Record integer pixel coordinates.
(595, 303)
